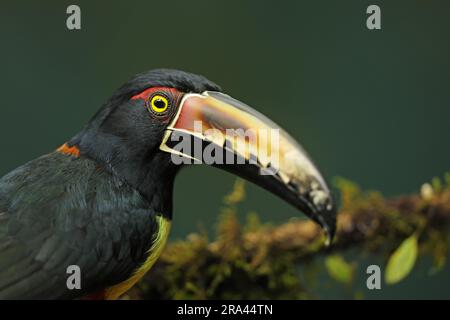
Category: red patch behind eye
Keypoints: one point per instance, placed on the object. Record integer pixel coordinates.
(148, 92)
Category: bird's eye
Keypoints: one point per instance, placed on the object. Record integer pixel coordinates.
(159, 103)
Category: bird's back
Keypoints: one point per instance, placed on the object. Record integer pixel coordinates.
(60, 210)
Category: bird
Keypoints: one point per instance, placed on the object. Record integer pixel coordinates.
(102, 201)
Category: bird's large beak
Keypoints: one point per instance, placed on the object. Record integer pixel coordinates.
(215, 129)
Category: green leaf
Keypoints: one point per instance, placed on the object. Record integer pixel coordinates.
(339, 269)
(402, 260)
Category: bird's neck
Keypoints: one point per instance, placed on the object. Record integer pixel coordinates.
(148, 171)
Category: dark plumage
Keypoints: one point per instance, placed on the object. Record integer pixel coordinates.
(103, 201)
(96, 211)
(58, 211)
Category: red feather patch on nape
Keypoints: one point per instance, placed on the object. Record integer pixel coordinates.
(71, 151)
(148, 92)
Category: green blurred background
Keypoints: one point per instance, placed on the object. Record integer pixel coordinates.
(372, 106)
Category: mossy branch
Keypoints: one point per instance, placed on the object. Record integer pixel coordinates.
(259, 261)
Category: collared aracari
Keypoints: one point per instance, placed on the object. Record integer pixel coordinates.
(103, 200)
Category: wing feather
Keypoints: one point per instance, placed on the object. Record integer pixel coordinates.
(59, 211)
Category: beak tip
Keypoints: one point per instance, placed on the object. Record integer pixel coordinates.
(327, 220)
(329, 233)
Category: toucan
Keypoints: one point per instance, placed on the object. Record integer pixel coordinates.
(101, 204)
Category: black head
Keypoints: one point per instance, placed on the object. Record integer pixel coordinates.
(124, 135)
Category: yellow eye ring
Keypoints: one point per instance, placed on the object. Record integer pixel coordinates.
(159, 103)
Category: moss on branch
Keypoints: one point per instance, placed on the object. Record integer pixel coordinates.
(260, 261)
